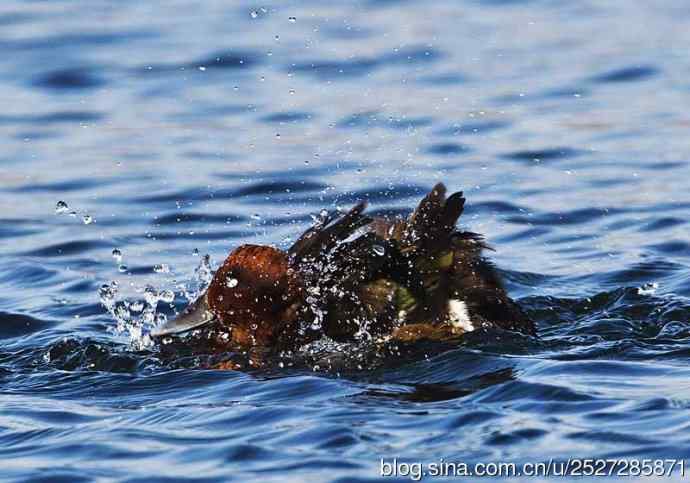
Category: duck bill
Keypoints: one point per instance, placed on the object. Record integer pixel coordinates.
(196, 314)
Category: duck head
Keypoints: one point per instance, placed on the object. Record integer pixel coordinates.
(254, 295)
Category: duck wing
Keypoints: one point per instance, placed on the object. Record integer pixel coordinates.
(363, 284)
(326, 233)
(331, 251)
(348, 277)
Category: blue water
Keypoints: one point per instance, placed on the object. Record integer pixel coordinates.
(169, 127)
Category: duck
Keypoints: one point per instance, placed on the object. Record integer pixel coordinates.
(353, 277)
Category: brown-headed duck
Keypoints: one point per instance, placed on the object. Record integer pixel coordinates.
(355, 277)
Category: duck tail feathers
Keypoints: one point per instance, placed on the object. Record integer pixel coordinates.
(435, 218)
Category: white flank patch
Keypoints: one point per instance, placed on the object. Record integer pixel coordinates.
(458, 316)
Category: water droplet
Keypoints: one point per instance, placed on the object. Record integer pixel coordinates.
(202, 68)
(122, 311)
(117, 255)
(107, 294)
(87, 219)
(151, 295)
(253, 14)
(231, 282)
(147, 317)
(73, 213)
(161, 268)
(136, 306)
(61, 208)
(292, 19)
(167, 296)
(161, 319)
(256, 216)
(648, 288)
(195, 252)
(379, 250)
(122, 268)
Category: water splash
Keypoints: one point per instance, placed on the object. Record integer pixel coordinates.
(135, 317)
(203, 274)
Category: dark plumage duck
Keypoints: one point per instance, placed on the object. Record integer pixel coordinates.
(355, 277)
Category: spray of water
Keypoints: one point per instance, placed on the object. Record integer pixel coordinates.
(135, 317)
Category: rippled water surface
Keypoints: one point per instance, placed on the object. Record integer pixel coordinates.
(177, 129)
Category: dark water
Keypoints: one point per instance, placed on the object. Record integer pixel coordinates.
(179, 125)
